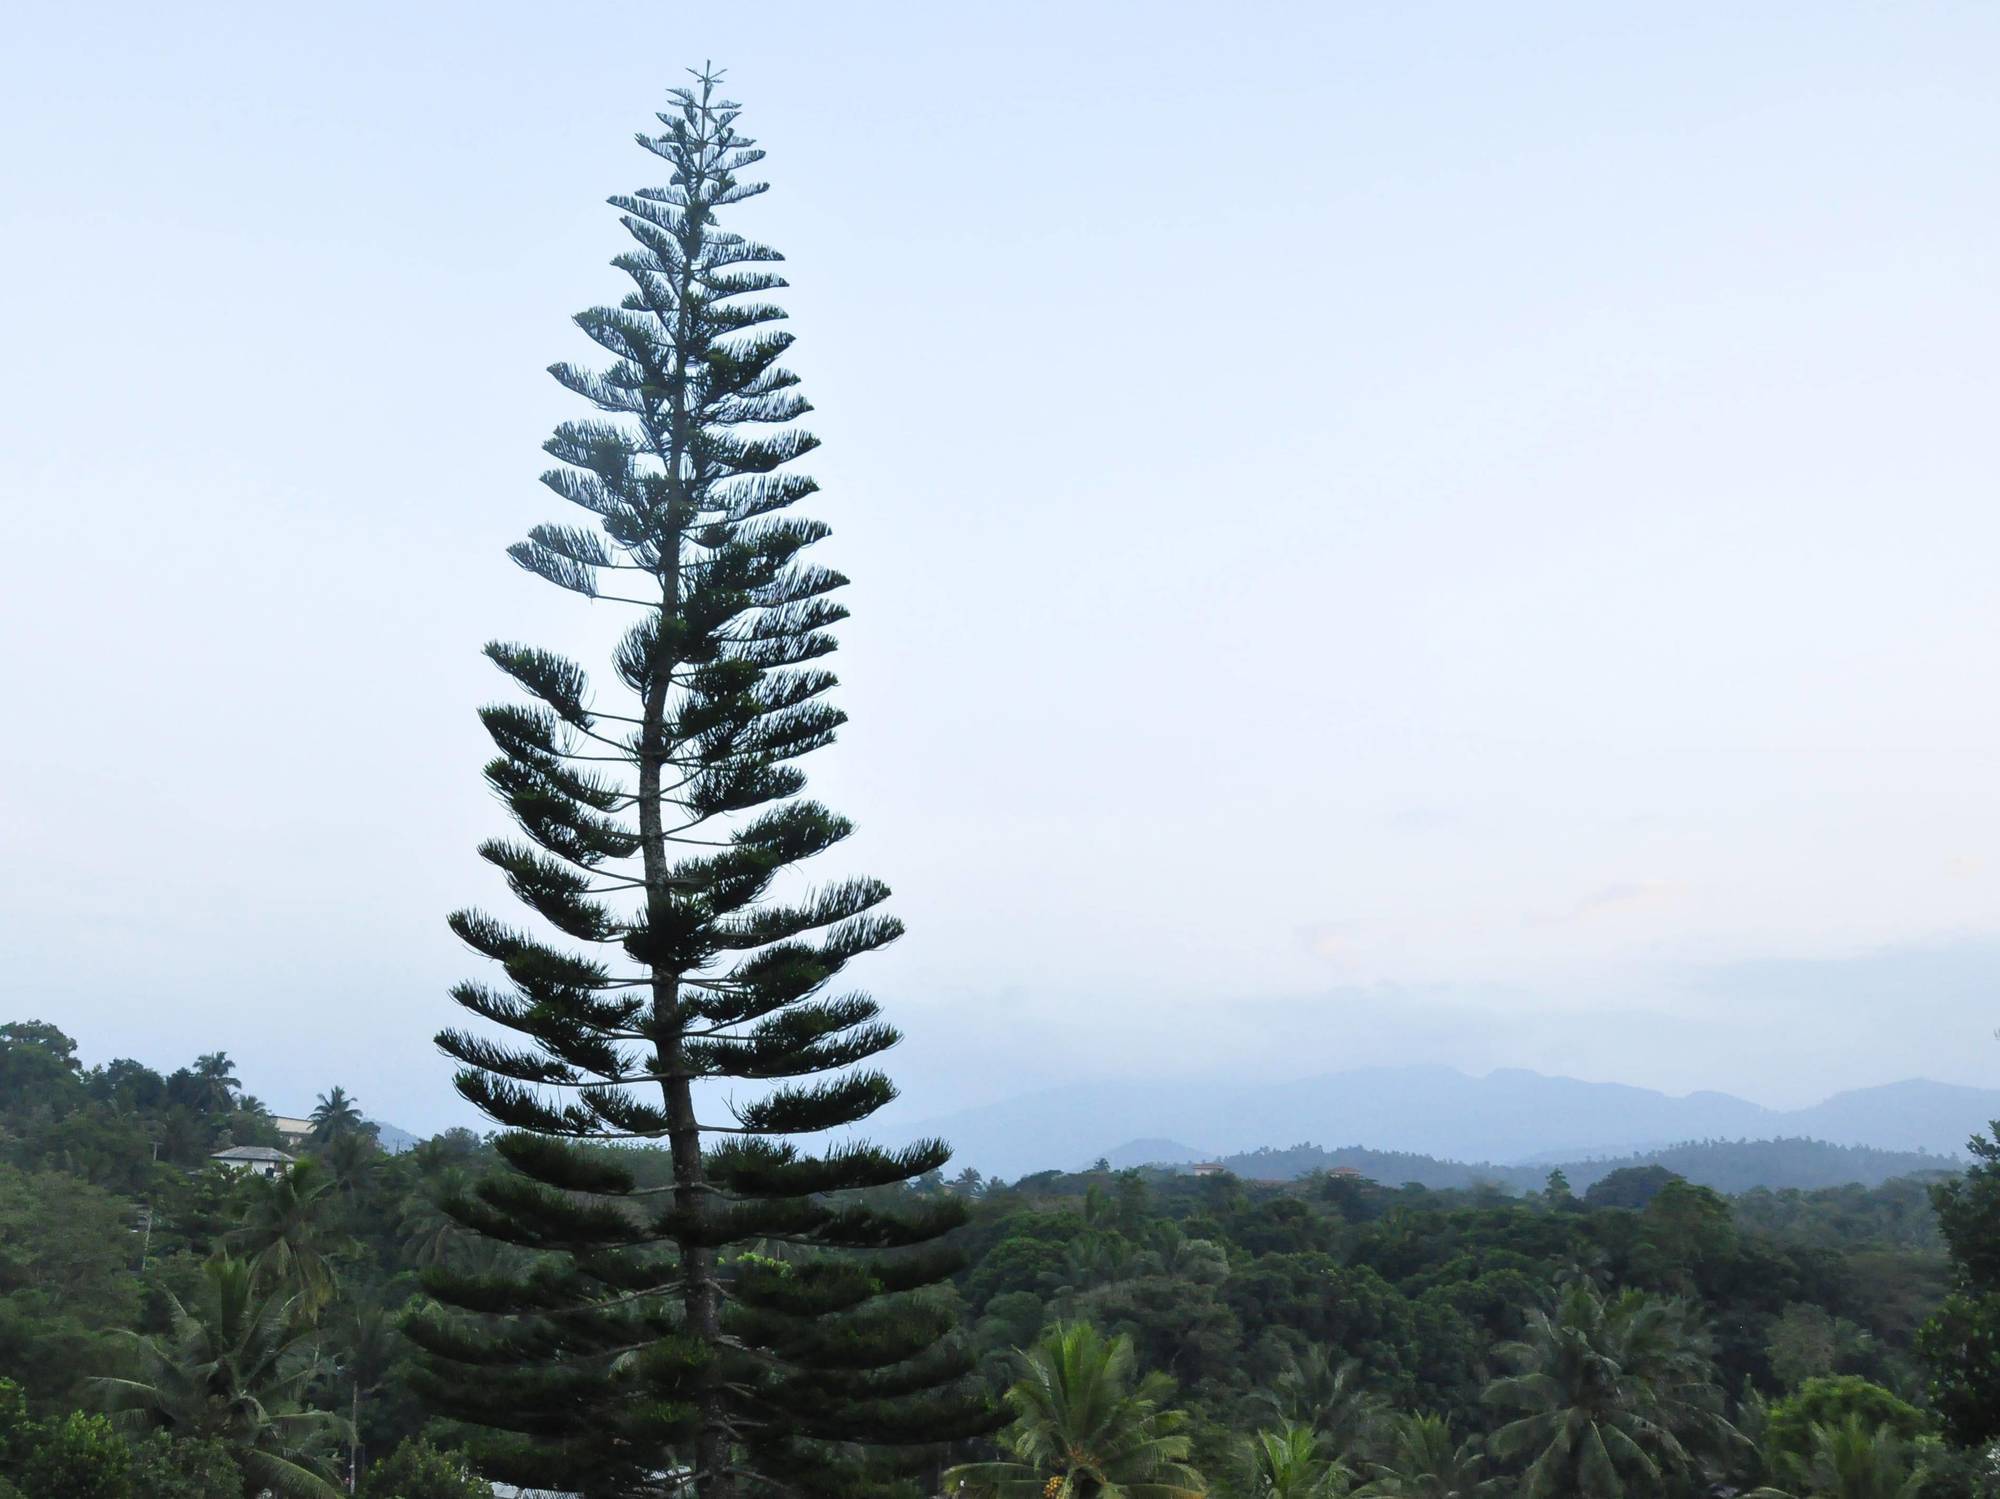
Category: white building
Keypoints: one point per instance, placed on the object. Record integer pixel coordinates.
(259, 1160)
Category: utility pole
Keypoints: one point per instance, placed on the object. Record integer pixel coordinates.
(146, 1218)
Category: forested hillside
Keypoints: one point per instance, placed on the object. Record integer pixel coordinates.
(1409, 1328)
(1726, 1165)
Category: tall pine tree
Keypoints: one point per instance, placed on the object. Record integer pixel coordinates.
(771, 1319)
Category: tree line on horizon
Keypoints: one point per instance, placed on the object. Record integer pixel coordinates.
(1729, 1165)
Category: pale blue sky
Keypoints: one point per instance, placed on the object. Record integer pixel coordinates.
(1396, 532)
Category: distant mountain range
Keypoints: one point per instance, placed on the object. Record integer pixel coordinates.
(392, 1139)
(1512, 1117)
(1729, 1166)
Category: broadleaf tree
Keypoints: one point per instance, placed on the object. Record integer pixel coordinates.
(773, 1319)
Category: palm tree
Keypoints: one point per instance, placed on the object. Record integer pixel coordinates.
(1291, 1463)
(217, 1085)
(1096, 1258)
(428, 1231)
(335, 1115)
(232, 1368)
(1613, 1394)
(184, 1137)
(1202, 1261)
(1854, 1461)
(365, 1351)
(285, 1237)
(1326, 1396)
(252, 1114)
(1427, 1461)
(1084, 1429)
(352, 1159)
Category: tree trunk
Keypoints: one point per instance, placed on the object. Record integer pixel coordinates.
(701, 1292)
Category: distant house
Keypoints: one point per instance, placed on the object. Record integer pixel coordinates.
(293, 1132)
(1345, 1171)
(259, 1160)
(1210, 1168)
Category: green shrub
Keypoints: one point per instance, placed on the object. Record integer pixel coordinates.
(163, 1468)
(1959, 1472)
(80, 1456)
(417, 1470)
(76, 1456)
(1829, 1401)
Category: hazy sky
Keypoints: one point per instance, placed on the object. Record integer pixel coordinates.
(1451, 533)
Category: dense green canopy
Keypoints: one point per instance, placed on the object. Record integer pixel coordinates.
(1312, 1333)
